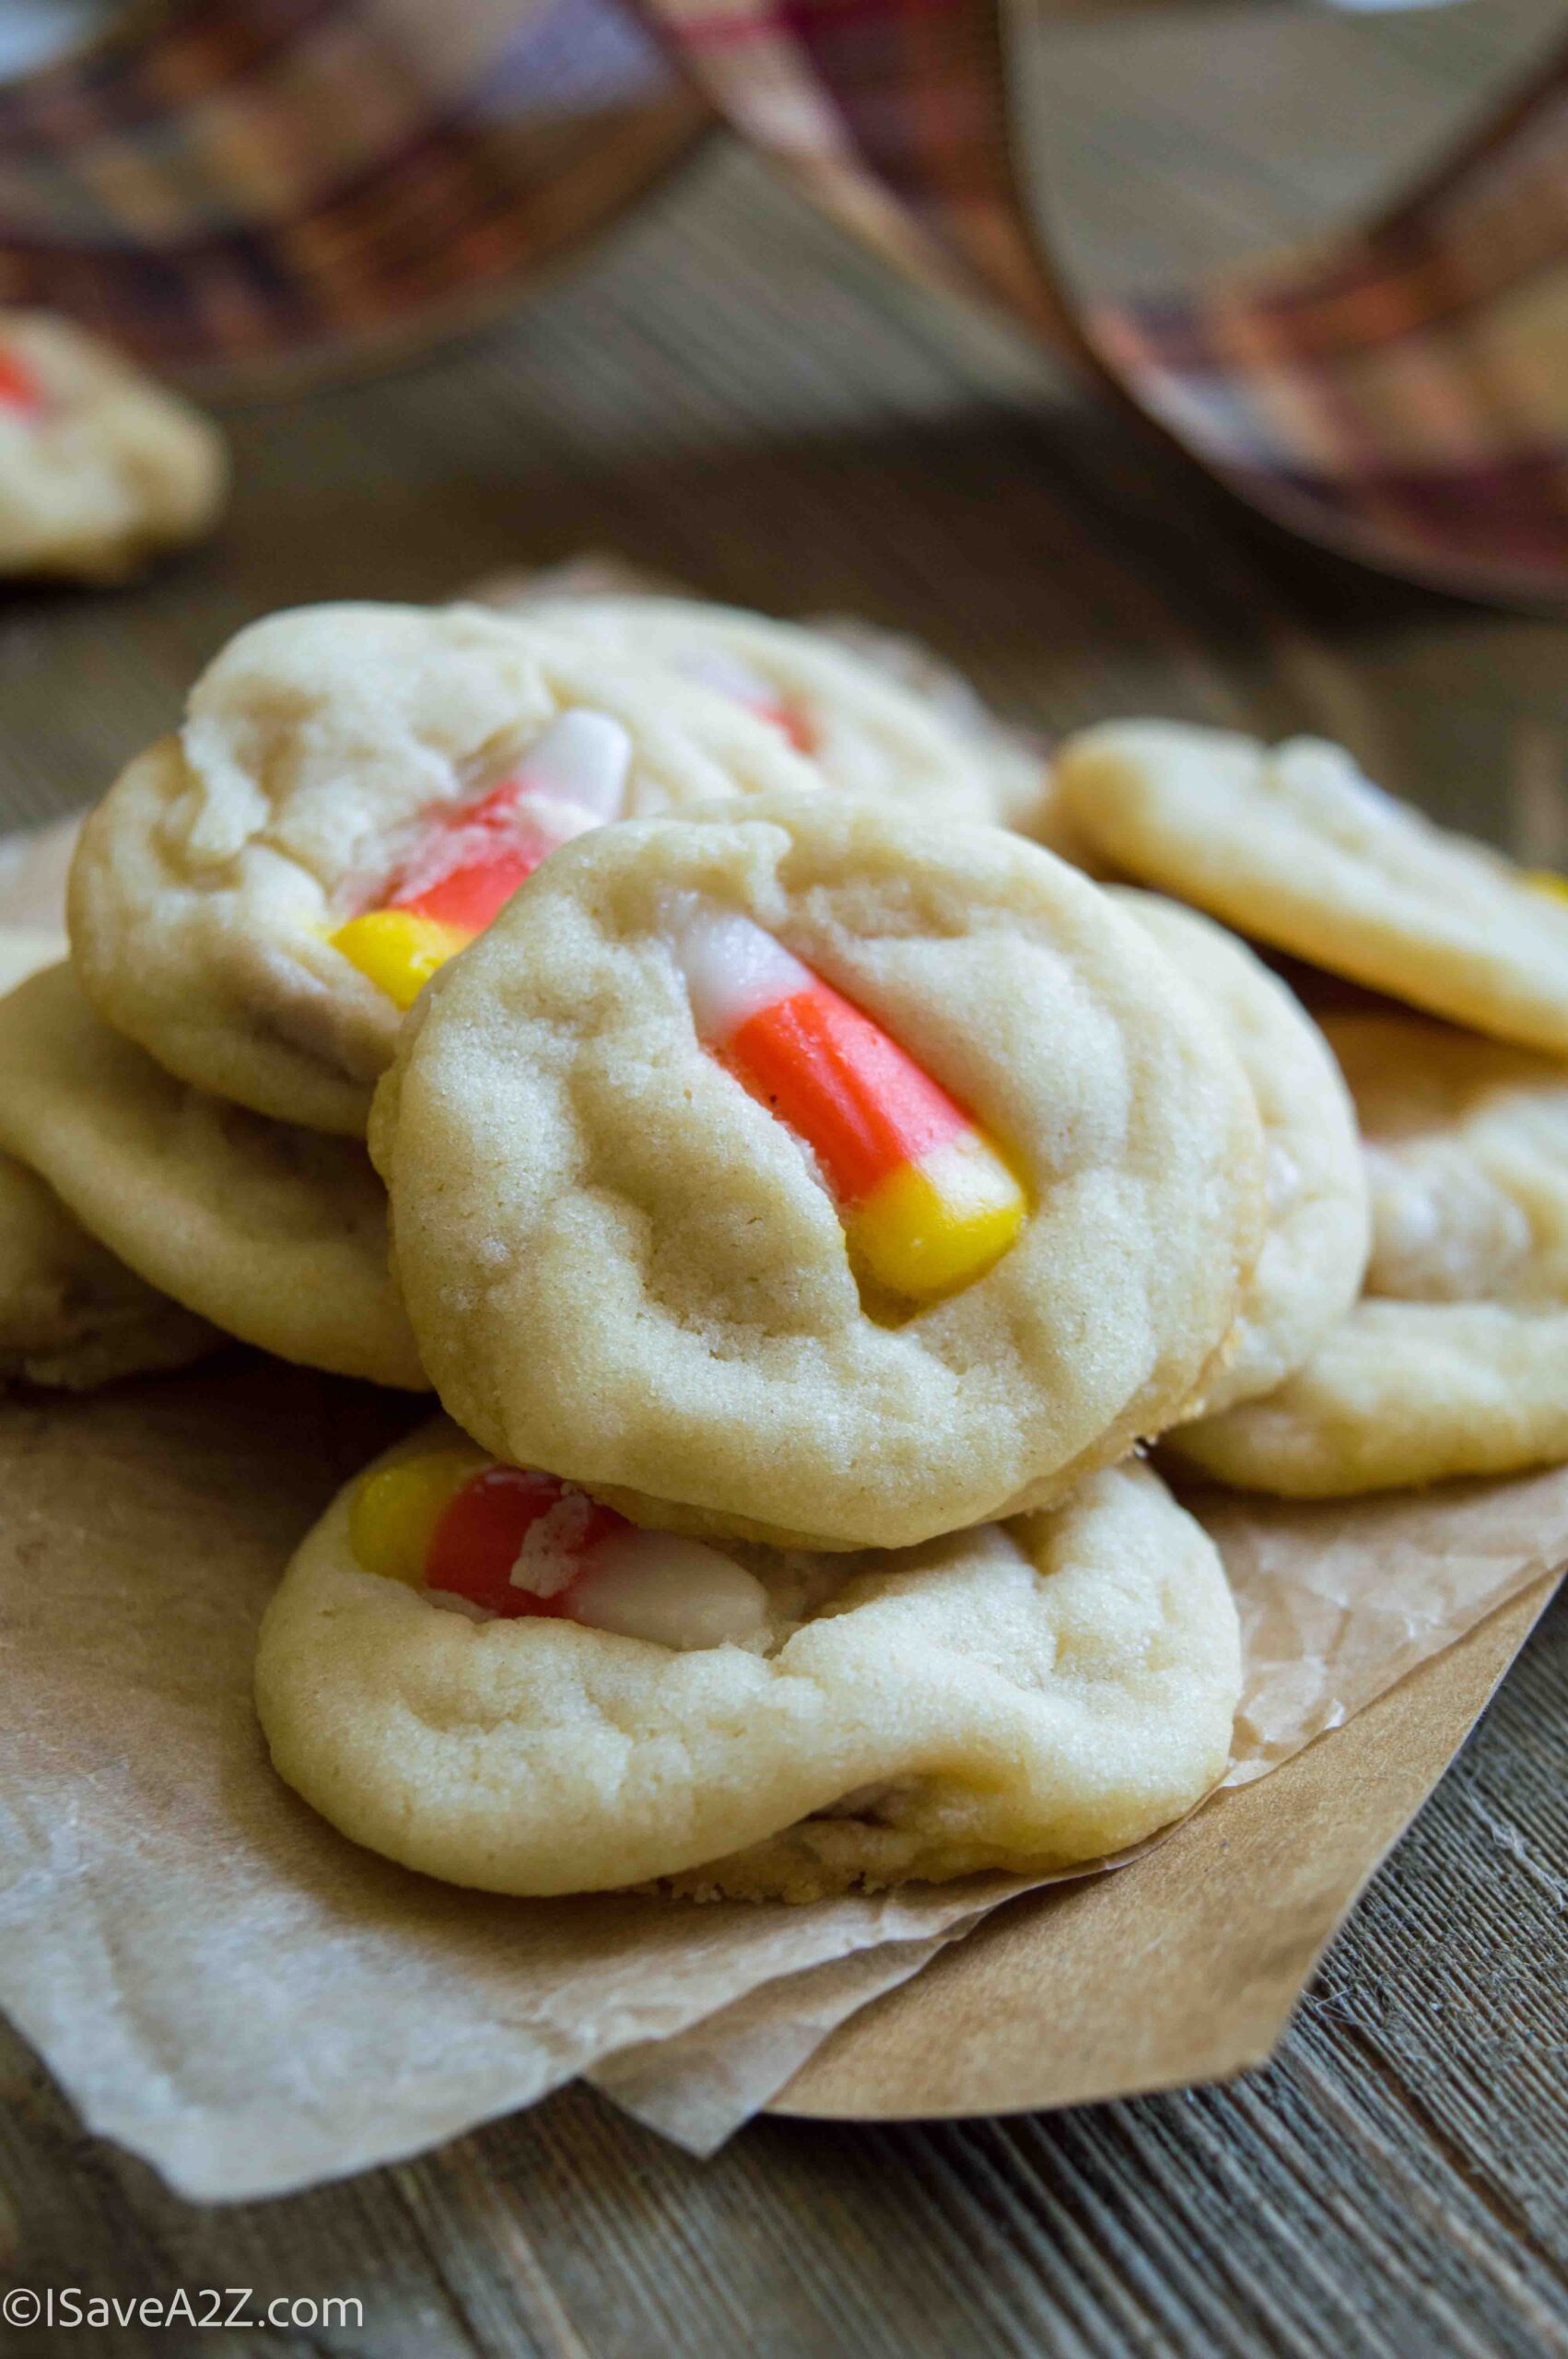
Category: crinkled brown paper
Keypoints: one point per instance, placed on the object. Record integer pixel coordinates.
(236, 1993)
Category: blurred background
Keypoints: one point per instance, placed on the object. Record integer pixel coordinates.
(728, 388)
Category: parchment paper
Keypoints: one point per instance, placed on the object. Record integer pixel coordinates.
(245, 2000)
(33, 868)
(229, 1989)
(1188, 1968)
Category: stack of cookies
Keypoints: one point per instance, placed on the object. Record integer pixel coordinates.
(666, 1035)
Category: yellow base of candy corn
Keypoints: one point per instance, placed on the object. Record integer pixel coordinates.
(939, 1224)
(398, 950)
(394, 1511)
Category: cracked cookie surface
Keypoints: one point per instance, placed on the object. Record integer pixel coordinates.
(1023, 1696)
(211, 878)
(626, 1269)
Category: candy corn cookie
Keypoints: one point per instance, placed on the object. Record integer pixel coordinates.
(70, 1313)
(275, 1234)
(841, 686)
(1318, 1227)
(1296, 848)
(355, 793)
(817, 1172)
(868, 732)
(1455, 1360)
(483, 1674)
(1017, 759)
(98, 466)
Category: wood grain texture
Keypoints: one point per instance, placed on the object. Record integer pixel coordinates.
(729, 391)
(1296, 1857)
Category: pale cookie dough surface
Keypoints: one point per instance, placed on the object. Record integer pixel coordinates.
(623, 1269)
(71, 1314)
(1023, 1696)
(1318, 1227)
(1017, 759)
(108, 468)
(1456, 1361)
(210, 877)
(869, 733)
(856, 748)
(1295, 846)
(275, 1235)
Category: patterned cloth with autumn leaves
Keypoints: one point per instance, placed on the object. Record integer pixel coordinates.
(244, 190)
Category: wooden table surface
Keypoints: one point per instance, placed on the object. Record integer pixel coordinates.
(728, 391)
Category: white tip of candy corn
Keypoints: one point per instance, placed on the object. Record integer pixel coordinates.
(671, 1591)
(581, 758)
(730, 968)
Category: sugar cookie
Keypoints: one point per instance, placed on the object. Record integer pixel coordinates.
(1318, 1225)
(98, 466)
(869, 732)
(1455, 1362)
(1032, 1192)
(1017, 759)
(1023, 1696)
(346, 764)
(275, 1235)
(1295, 846)
(71, 1314)
(800, 674)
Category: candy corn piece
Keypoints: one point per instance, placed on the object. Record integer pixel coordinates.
(510, 1542)
(715, 667)
(475, 854)
(928, 1202)
(19, 387)
(398, 951)
(394, 1510)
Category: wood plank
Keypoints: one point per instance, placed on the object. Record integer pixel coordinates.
(1288, 1825)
